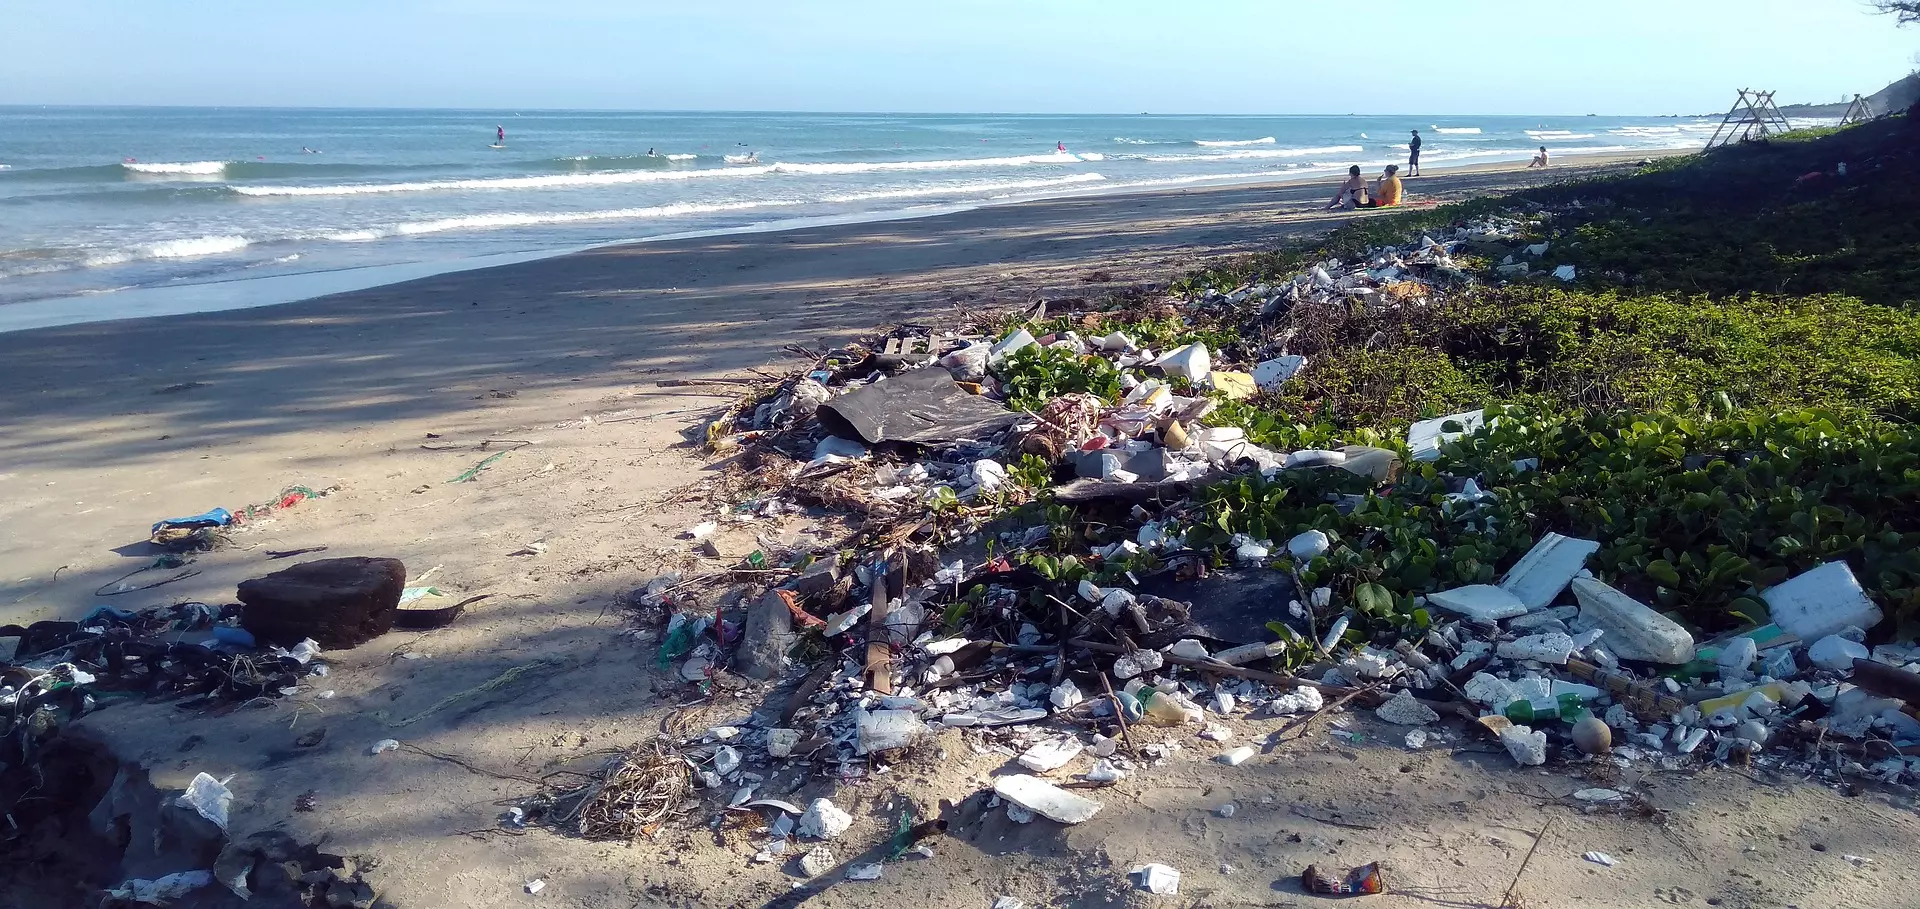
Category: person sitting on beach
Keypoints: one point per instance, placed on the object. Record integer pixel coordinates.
(1540, 160)
(1387, 191)
(1352, 193)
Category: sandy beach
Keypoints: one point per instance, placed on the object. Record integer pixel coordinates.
(385, 395)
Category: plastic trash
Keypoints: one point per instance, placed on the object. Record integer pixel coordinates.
(383, 746)
(867, 872)
(1168, 708)
(1155, 878)
(1359, 881)
(1821, 602)
(210, 797)
(1553, 562)
(536, 885)
(1190, 362)
(1634, 630)
(1601, 858)
(1738, 655)
(816, 861)
(1045, 799)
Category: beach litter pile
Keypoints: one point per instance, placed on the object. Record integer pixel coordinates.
(1061, 546)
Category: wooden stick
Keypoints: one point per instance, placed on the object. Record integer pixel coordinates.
(1119, 713)
(1512, 896)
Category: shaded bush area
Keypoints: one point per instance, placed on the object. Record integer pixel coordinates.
(1725, 397)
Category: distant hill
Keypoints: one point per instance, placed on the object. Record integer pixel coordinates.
(1896, 97)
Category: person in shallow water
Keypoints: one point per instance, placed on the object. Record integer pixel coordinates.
(1352, 193)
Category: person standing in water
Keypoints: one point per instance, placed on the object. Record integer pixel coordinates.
(1413, 155)
(500, 135)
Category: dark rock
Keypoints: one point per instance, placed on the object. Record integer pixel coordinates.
(768, 636)
(339, 603)
(818, 578)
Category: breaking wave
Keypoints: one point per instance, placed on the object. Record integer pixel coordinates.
(534, 219)
(1458, 130)
(190, 168)
(1247, 154)
(171, 249)
(1233, 143)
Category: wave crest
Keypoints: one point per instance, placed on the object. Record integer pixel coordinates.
(1233, 143)
(190, 168)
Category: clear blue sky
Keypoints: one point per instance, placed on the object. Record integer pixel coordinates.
(1096, 56)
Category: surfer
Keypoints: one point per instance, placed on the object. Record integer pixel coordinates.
(650, 153)
(500, 135)
(1413, 155)
(1060, 148)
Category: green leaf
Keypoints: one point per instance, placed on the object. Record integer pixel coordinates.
(1373, 599)
(1663, 571)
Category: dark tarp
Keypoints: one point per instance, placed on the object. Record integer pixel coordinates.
(924, 406)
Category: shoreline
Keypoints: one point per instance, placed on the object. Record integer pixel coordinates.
(168, 300)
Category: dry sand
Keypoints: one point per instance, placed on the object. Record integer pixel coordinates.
(391, 392)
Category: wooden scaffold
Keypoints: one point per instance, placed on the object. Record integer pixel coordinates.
(1860, 111)
(1753, 116)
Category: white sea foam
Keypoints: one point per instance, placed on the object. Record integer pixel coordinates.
(1090, 156)
(170, 249)
(190, 168)
(556, 181)
(1556, 135)
(1246, 154)
(1123, 140)
(867, 167)
(1233, 143)
(681, 157)
(1458, 130)
(615, 177)
(679, 209)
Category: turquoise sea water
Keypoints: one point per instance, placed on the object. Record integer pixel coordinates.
(94, 200)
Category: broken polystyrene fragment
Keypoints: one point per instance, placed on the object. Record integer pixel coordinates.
(1155, 878)
(1552, 647)
(1634, 630)
(209, 797)
(1821, 602)
(1309, 546)
(1479, 602)
(1425, 437)
(1044, 798)
(1271, 374)
(1051, 754)
(1528, 748)
(1137, 662)
(1404, 709)
(1546, 570)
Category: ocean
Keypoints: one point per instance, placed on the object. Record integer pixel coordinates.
(96, 201)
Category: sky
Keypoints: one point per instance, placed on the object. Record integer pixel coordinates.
(1043, 56)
